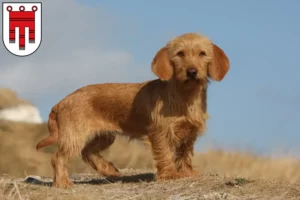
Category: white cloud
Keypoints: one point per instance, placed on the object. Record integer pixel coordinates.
(75, 51)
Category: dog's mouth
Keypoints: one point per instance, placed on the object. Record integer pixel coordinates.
(192, 81)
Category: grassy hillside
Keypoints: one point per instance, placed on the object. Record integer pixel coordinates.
(9, 98)
(230, 175)
(19, 157)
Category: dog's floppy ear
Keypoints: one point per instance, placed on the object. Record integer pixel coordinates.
(219, 66)
(161, 65)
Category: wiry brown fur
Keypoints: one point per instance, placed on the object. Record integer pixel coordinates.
(170, 112)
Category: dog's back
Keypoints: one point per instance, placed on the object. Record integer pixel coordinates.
(121, 107)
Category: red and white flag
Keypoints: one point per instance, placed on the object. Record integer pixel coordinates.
(22, 27)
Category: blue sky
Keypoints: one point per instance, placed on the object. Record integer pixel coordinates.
(257, 105)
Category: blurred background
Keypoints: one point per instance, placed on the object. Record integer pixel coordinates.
(254, 110)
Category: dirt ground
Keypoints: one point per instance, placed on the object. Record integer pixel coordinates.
(141, 184)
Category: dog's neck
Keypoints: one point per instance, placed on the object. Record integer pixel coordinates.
(188, 90)
(190, 93)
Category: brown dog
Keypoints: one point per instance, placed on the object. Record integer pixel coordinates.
(169, 111)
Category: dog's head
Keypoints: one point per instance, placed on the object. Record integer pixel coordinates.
(190, 58)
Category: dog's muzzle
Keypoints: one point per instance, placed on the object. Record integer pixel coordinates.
(191, 73)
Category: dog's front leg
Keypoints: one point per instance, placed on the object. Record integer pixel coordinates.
(163, 153)
(183, 160)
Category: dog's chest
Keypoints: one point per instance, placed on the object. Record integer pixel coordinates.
(188, 125)
(182, 119)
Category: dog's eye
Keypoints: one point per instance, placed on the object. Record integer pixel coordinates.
(180, 53)
(202, 53)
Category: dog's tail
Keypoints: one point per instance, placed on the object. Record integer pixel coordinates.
(53, 130)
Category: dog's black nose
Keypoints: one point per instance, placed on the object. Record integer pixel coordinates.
(191, 72)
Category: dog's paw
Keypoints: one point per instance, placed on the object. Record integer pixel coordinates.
(110, 171)
(111, 174)
(191, 173)
(64, 184)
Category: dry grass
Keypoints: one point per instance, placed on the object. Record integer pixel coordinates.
(248, 165)
(272, 178)
(136, 184)
(9, 98)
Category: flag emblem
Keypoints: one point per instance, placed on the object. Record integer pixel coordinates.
(22, 27)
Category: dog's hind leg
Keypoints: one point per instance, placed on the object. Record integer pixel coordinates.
(91, 154)
(59, 163)
(69, 147)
